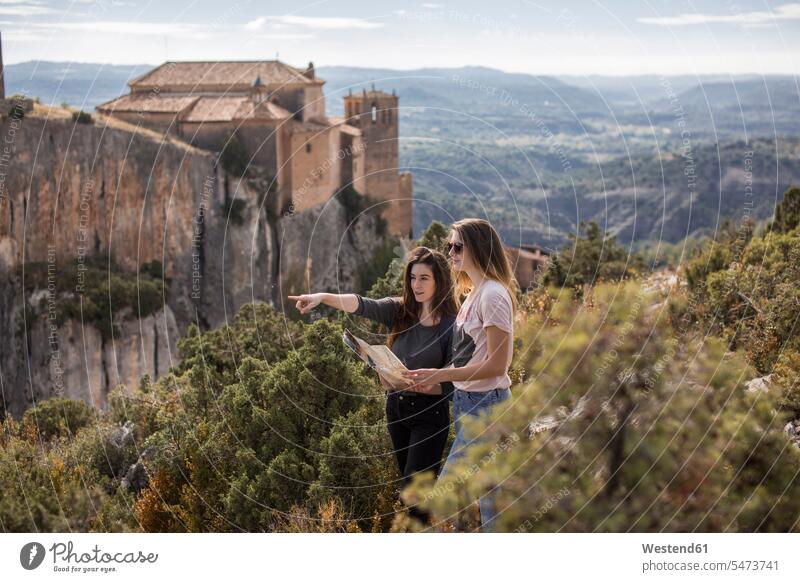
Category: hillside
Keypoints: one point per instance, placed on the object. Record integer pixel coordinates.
(640, 197)
(736, 107)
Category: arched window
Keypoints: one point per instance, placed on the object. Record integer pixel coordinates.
(374, 113)
(389, 116)
(308, 148)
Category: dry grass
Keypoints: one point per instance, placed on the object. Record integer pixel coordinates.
(328, 518)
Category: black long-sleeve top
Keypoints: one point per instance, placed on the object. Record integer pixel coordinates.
(417, 347)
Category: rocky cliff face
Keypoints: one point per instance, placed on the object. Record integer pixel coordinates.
(70, 192)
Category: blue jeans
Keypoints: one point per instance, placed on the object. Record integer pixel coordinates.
(475, 404)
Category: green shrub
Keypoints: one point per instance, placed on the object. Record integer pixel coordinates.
(786, 376)
(43, 492)
(82, 117)
(653, 431)
(152, 269)
(99, 292)
(787, 213)
(357, 471)
(435, 237)
(17, 112)
(591, 258)
(372, 270)
(57, 417)
(99, 450)
(353, 202)
(752, 301)
(242, 426)
(234, 158)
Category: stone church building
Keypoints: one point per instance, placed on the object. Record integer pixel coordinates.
(277, 113)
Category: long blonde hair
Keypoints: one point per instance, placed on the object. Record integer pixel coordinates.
(482, 242)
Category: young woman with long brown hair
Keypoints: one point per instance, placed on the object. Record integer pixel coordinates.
(483, 335)
(420, 325)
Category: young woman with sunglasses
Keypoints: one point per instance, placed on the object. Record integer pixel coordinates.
(483, 335)
(420, 325)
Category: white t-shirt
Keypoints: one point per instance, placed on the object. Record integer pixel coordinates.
(488, 305)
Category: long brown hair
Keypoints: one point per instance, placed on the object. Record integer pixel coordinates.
(483, 243)
(443, 303)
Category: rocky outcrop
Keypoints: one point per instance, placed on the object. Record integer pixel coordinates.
(324, 241)
(69, 191)
(761, 384)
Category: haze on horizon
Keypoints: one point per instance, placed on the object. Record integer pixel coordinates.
(550, 37)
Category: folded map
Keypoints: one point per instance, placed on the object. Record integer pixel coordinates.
(380, 358)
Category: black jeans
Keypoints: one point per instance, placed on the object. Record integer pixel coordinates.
(418, 427)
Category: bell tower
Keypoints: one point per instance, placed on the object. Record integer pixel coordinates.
(375, 114)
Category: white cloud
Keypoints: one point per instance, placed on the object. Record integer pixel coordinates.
(314, 22)
(431, 5)
(757, 18)
(23, 8)
(22, 36)
(125, 27)
(257, 24)
(282, 36)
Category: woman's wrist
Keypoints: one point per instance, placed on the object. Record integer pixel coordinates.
(442, 376)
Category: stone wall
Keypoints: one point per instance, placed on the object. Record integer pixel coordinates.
(258, 139)
(316, 170)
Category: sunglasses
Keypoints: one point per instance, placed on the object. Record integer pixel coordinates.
(457, 246)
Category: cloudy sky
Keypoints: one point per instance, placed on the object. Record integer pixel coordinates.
(616, 37)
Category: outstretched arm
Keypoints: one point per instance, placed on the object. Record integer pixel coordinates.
(305, 303)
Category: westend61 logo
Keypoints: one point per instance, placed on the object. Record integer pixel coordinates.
(65, 559)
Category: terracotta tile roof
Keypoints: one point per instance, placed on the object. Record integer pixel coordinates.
(209, 109)
(270, 110)
(196, 75)
(535, 249)
(528, 252)
(147, 104)
(196, 109)
(523, 253)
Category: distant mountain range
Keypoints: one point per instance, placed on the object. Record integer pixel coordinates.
(475, 135)
(474, 90)
(81, 85)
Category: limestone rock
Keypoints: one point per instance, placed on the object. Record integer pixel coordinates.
(109, 188)
(123, 436)
(761, 384)
(137, 478)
